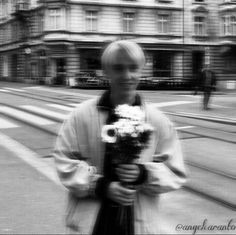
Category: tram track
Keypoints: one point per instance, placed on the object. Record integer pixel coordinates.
(46, 98)
(77, 99)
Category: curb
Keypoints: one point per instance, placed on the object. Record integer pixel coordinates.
(216, 119)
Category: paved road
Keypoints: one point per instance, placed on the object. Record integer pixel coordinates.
(30, 202)
(32, 107)
(33, 202)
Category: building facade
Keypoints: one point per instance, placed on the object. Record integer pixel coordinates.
(53, 41)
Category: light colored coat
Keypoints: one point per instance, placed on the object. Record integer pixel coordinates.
(79, 155)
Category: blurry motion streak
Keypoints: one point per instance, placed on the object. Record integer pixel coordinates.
(172, 103)
(62, 107)
(24, 116)
(13, 89)
(2, 90)
(5, 124)
(46, 112)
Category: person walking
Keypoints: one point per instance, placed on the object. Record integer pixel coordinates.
(208, 85)
(197, 82)
(84, 162)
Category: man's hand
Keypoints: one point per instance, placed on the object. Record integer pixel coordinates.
(118, 193)
(128, 173)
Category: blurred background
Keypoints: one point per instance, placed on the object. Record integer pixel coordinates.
(50, 62)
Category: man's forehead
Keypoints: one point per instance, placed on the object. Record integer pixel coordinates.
(123, 58)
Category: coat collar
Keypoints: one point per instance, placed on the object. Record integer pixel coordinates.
(104, 102)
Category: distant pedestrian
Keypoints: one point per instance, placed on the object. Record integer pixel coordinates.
(197, 83)
(208, 83)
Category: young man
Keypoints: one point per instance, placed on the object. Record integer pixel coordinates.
(83, 161)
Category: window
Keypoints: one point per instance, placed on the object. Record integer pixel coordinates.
(234, 1)
(199, 25)
(162, 64)
(7, 33)
(226, 25)
(40, 23)
(233, 25)
(55, 19)
(163, 23)
(230, 63)
(229, 25)
(15, 31)
(21, 5)
(91, 21)
(5, 66)
(128, 22)
(3, 8)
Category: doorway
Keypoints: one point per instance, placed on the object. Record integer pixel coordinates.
(60, 71)
(90, 60)
(197, 65)
(14, 67)
(162, 64)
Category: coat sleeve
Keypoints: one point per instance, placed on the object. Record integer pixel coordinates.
(74, 171)
(166, 172)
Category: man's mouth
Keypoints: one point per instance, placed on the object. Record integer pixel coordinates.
(126, 83)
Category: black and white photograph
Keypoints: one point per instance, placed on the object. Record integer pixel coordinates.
(118, 117)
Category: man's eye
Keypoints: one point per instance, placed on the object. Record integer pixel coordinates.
(133, 67)
(117, 67)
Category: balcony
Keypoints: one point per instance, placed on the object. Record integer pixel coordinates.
(21, 8)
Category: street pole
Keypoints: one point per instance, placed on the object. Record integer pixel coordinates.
(183, 39)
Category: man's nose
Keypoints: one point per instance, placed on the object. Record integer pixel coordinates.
(127, 74)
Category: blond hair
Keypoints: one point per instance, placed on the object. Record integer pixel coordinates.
(133, 50)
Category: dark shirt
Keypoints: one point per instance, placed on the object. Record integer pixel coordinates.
(108, 220)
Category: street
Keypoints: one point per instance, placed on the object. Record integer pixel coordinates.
(32, 199)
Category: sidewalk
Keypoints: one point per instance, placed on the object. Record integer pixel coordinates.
(30, 203)
(33, 204)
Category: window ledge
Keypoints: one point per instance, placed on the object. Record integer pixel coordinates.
(228, 36)
(200, 36)
(164, 1)
(200, 3)
(168, 35)
(227, 3)
(55, 30)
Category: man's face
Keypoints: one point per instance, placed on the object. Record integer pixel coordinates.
(124, 74)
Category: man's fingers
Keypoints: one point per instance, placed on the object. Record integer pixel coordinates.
(128, 166)
(127, 180)
(126, 191)
(120, 194)
(123, 176)
(125, 171)
(126, 196)
(124, 201)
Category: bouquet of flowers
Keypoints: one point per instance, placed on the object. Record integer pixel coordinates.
(129, 135)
